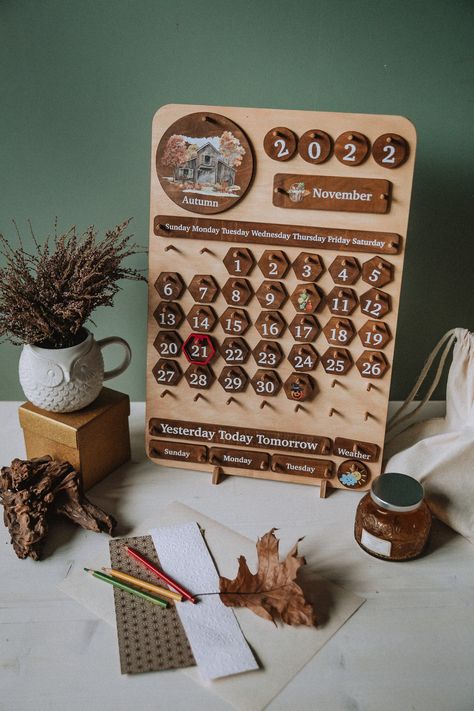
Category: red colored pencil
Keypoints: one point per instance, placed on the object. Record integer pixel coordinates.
(132, 552)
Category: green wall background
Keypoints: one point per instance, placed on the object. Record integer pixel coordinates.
(80, 82)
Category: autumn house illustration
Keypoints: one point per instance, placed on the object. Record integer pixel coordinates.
(208, 166)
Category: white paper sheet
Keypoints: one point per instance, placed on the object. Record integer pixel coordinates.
(218, 645)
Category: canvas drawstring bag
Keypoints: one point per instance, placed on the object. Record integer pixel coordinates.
(440, 452)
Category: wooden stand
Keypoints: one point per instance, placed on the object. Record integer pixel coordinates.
(95, 440)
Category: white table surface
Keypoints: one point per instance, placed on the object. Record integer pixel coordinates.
(409, 647)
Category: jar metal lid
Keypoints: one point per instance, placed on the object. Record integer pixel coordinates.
(397, 492)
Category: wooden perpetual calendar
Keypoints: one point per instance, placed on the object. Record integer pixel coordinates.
(277, 243)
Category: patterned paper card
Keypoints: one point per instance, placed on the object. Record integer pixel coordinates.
(150, 638)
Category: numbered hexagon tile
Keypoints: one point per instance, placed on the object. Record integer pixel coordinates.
(339, 331)
(375, 334)
(199, 376)
(237, 291)
(235, 350)
(168, 344)
(270, 324)
(234, 321)
(266, 383)
(344, 270)
(299, 387)
(167, 372)
(303, 357)
(375, 303)
(308, 266)
(168, 315)
(372, 364)
(336, 361)
(203, 288)
(239, 261)
(377, 271)
(199, 349)
(169, 285)
(268, 354)
(306, 298)
(202, 318)
(273, 264)
(304, 327)
(341, 301)
(233, 379)
(271, 294)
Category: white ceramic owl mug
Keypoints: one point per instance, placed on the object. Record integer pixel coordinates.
(68, 379)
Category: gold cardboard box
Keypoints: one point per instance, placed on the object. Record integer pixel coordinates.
(95, 440)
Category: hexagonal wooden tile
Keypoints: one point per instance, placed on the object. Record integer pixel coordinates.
(233, 379)
(199, 376)
(167, 372)
(169, 285)
(268, 354)
(239, 261)
(237, 291)
(344, 270)
(273, 264)
(270, 324)
(271, 294)
(339, 331)
(377, 271)
(299, 387)
(234, 321)
(303, 356)
(375, 334)
(341, 300)
(234, 350)
(202, 318)
(203, 288)
(306, 298)
(199, 348)
(266, 383)
(168, 315)
(375, 303)
(308, 266)
(372, 364)
(304, 327)
(168, 344)
(336, 361)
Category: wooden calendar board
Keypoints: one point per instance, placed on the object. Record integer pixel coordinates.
(277, 241)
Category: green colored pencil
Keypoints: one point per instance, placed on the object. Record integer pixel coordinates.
(128, 588)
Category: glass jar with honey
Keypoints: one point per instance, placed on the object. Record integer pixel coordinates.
(392, 520)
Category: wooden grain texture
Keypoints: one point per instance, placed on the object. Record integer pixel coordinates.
(342, 405)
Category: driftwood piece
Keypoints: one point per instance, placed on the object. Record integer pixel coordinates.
(33, 490)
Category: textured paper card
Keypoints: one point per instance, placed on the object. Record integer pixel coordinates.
(282, 652)
(150, 638)
(216, 639)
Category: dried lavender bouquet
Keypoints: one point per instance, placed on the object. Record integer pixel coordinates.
(47, 295)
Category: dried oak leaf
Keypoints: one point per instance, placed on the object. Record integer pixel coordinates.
(271, 592)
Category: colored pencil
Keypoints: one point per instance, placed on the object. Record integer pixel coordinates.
(164, 592)
(132, 552)
(127, 588)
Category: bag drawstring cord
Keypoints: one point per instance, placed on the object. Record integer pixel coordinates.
(397, 418)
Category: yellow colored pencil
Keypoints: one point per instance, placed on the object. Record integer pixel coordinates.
(157, 589)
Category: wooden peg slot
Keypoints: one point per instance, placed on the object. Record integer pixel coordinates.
(230, 400)
(198, 396)
(172, 247)
(165, 393)
(206, 250)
